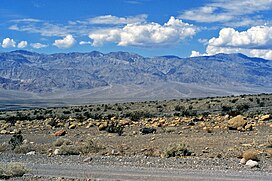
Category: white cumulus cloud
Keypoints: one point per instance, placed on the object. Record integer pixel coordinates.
(256, 41)
(66, 42)
(22, 44)
(38, 45)
(8, 43)
(145, 34)
(234, 12)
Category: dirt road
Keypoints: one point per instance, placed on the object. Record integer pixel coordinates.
(102, 172)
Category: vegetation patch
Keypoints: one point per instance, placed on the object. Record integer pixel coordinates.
(10, 170)
(178, 150)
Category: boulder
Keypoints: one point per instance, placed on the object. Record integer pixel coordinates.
(237, 122)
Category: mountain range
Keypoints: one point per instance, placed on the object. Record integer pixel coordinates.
(95, 76)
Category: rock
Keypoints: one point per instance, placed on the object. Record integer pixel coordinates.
(88, 159)
(72, 126)
(31, 153)
(148, 130)
(102, 126)
(252, 163)
(237, 122)
(250, 155)
(89, 125)
(265, 117)
(60, 133)
(4, 132)
(243, 161)
(248, 127)
(57, 151)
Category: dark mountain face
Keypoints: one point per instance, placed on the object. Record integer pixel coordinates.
(23, 70)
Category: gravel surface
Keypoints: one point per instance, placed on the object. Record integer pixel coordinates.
(139, 168)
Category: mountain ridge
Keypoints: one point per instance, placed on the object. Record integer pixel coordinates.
(45, 74)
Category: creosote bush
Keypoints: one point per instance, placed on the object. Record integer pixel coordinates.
(177, 150)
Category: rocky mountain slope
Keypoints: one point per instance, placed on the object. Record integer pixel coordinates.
(104, 74)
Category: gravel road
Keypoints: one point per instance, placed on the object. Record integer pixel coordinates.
(103, 172)
(137, 168)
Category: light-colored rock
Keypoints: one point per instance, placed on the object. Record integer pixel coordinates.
(72, 126)
(31, 153)
(248, 127)
(265, 117)
(56, 151)
(243, 161)
(237, 122)
(88, 159)
(251, 163)
(4, 132)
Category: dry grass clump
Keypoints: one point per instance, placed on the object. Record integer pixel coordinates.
(85, 147)
(62, 141)
(10, 170)
(89, 146)
(250, 155)
(68, 150)
(177, 150)
(28, 147)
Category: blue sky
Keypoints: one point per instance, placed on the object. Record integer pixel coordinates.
(147, 27)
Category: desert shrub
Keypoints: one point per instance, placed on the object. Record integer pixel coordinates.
(177, 151)
(226, 108)
(189, 113)
(12, 170)
(66, 112)
(69, 150)
(16, 140)
(242, 107)
(89, 146)
(24, 148)
(115, 128)
(3, 147)
(179, 108)
(62, 141)
(269, 142)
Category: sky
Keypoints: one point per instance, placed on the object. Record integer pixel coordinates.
(147, 27)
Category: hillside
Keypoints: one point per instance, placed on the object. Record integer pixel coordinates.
(118, 76)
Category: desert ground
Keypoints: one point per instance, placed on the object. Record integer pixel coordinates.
(215, 138)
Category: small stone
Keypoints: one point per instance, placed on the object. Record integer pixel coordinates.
(248, 127)
(265, 117)
(252, 163)
(60, 133)
(31, 153)
(72, 126)
(56, 152)
(88, 159)
(243, 161)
